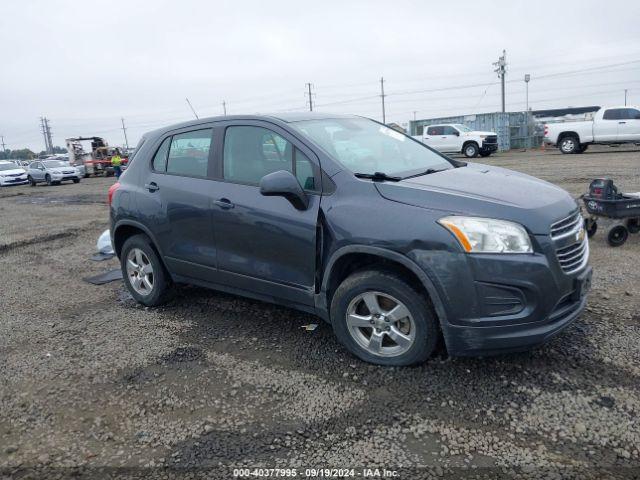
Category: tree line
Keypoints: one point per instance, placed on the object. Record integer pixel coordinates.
(27, 154)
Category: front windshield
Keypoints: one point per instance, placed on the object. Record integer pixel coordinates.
(55, 163)
(364, 146)
(462, 128)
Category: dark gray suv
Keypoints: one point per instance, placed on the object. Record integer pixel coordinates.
(389, 241)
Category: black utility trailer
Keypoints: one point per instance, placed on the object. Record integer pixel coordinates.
(622, 211)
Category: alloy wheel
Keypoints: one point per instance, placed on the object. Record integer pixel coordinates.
(140, 271)
(381, 324)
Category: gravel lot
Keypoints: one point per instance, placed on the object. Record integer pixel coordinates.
(90, 379)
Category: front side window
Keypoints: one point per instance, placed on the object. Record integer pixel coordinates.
(250, 153)
(189, 153)
(364, 146)
(629, 114)
(450, 130)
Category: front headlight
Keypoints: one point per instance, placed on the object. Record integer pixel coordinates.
(483, 136)
(488, 235)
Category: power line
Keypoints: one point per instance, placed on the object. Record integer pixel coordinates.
(192, 109)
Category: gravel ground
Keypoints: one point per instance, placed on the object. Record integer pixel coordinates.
(93, 384)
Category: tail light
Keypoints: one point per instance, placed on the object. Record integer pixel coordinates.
(546, 130)
(112, 190)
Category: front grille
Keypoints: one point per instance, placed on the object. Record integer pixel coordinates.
(567, 226)
(491, 139)
(574, 257)
(572, 246)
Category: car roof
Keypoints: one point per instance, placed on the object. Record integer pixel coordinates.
(287, 117)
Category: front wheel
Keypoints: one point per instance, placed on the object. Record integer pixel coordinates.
(48, 179)
(76, 180)
(32, 182)
(144, 274)
(570, 144)
(381, 319)
(471, 150)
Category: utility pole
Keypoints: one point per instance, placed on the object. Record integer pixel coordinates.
(46, 133)
(46, 123)
(527, 77)
(501, 70)
(382, 95)
(2, 143)
(310, 96)
(625, 97)
(192, 109)
(414, 115)
(124, 130)
(224, 107)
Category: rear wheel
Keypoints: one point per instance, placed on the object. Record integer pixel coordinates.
(633, 225)
(76, 180)
(591, 226)
(144, 274)
(569, 144)
(379, 318)
(617, 236)
(471, 150)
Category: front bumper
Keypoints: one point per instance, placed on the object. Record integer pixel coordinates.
(496, 303)
(475, 341)
(21, 180)
(489, 147)
(62, 177)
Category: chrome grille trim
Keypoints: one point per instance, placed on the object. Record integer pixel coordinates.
(574, 257)
(567, 226)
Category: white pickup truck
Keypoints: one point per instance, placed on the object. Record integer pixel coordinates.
(610, 125)
(458, 138)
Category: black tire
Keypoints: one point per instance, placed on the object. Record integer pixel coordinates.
(591, 226)
(617, 235)
(471, 150)
(424, 320)
(47, 178)
(163, 288)
(86, 175)
(485, 154)
(32, 182)
(569, 144)
(633, 225)
(76, 180)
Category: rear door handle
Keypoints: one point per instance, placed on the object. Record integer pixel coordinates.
(224, 203)
(152, 187)
(622, 122)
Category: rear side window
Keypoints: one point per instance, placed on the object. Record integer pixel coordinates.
(160, 158)
(435, 131)
(189, 153)
(613, 114)
(250, 153)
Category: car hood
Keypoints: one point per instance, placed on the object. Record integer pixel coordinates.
(13, 171)
(485, 191)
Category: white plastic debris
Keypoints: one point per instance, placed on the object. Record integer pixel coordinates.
(104, 243)
(311, 327)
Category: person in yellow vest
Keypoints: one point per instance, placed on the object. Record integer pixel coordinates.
(116, 161)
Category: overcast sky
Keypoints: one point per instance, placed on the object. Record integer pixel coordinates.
(85, 64)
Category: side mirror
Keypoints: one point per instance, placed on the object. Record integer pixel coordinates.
(284, 184)
(456, 133)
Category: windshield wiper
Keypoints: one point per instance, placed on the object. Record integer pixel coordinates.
(378, 177)
(428, 171)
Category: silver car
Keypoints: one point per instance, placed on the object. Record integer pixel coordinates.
(52, 172)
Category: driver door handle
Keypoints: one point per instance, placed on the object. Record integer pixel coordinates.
(152, 187)
(224, 203)
(622, 122)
